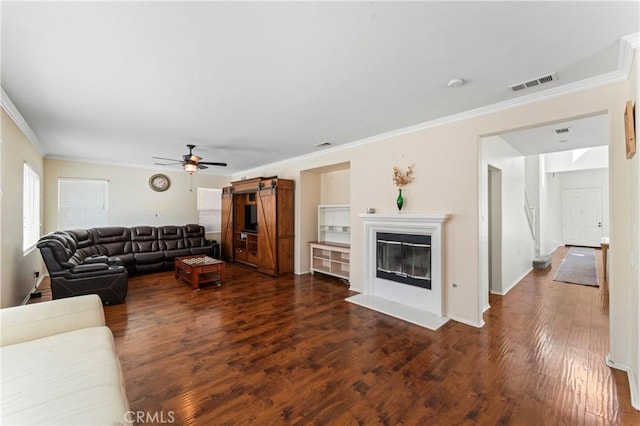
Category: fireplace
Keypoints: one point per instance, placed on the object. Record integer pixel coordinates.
(403, 267)
(404, 258)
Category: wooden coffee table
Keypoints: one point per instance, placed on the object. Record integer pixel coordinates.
(199, 269)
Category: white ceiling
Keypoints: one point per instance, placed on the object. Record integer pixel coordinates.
(253, 83)
(582, 133)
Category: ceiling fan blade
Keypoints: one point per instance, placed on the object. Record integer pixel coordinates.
(166, 164)
(200, 166)
(212, 164)
(168, 159)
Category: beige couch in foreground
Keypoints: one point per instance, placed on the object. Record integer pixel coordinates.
(59, 365)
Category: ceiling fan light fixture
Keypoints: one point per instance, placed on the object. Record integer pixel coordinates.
(190, 167)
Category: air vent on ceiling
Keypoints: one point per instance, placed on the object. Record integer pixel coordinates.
(535, 82)
(562, 131)
(323, 144)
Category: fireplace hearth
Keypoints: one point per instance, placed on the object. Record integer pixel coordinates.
(403, 267)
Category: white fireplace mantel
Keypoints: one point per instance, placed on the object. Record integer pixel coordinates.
(417, 305)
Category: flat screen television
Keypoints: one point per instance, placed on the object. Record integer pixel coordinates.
(251, 217)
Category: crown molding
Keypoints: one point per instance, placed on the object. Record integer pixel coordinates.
(628, 44)
(17, 118)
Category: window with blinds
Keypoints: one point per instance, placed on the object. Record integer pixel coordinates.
(209, 202)
(30, 208)
(82, 203)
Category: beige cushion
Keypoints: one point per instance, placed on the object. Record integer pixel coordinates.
(24, 323)
(69, 378)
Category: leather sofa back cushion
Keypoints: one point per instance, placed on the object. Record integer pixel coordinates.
(194, 236)
(171, 238)
(144, 239)
(113, 240)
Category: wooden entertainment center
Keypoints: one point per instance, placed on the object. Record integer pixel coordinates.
(258, 224)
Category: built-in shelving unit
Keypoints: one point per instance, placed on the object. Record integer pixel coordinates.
(331, 253)
(334, 223)
(330, 258)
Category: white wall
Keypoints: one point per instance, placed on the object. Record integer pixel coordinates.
(589, 158)
(517, 241)
(550, 211)
(532, 180)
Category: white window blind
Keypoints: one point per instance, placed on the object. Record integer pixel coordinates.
(82, 203)
(209, 201)
(30, 208)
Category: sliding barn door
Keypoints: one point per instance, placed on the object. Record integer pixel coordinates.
(267, 231)
(226, 226)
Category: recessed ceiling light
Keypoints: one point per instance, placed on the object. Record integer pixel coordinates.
(456, 82)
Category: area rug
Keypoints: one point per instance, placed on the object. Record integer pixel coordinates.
(578, 267)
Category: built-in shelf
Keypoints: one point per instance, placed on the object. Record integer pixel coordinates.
(331, 253)
(330, 258)
(334, 223)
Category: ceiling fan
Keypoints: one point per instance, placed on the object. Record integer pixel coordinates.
(190, 162)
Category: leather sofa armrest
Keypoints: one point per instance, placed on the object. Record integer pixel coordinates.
(211, 242)
(30, 322)
(96, 258)
(89, 267)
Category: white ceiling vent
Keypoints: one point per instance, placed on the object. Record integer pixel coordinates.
(535, 82)
(562, 131)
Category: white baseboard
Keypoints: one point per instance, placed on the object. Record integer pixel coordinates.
(512, 285)
(466, 321)
(28, 296)
(635, 401)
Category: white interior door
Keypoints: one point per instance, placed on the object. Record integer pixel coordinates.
(582, 217)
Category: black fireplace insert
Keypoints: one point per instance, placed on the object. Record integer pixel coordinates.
(404, 258)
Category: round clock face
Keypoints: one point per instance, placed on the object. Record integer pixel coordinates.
(159, 182)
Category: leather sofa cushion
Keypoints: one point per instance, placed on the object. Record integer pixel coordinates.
(171, 238)
(112, 241)
(172, 254)
(144, 239)
(150, 257)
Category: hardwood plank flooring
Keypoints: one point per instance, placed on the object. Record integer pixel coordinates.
(261, 350)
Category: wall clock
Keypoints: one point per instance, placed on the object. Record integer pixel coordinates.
(159, 182)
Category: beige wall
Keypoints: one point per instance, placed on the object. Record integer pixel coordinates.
(634, 220)
(16, 276)
(131, 201)
(335, 187)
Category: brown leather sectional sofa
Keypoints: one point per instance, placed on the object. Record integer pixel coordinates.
(99, 260)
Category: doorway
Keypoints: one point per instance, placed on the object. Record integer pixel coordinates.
(582, 213)
(495, 228)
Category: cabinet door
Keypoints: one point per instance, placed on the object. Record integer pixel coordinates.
(267, 231)
(226, 243)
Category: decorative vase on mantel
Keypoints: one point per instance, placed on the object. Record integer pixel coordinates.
(400, 199)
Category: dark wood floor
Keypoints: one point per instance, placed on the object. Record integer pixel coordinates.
(292, 351)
